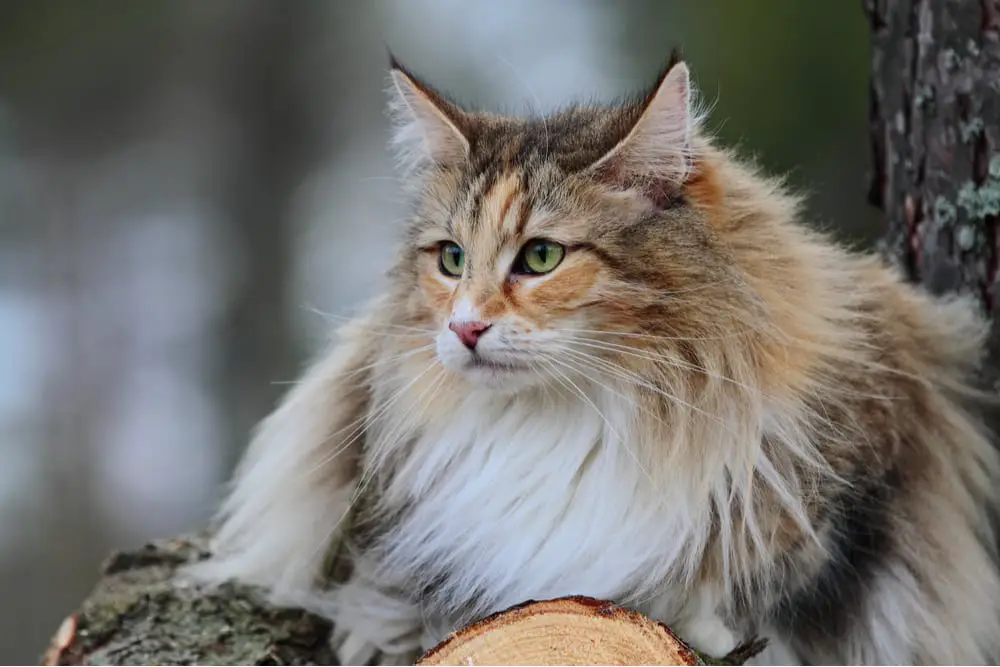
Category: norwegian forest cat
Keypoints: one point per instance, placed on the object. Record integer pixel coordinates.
(611, 361)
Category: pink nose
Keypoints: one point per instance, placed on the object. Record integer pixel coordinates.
(469, 332)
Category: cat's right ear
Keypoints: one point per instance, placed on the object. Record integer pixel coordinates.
(426, 126)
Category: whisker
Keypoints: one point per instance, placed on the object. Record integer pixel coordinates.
(623, 443)
(680, 363)
(397, 426)
(585, 359)
(704, 286)
(356, 494)
(394, 358)
(390, 325)
(384, 443)
(655, 358)
(391, 359)
(584, 396)
(369, 472)
(637, 379)
(367, 420)
(647, 336)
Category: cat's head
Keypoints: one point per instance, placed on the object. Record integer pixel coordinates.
(542, 246)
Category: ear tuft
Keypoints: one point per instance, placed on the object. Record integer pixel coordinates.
(675, 58)
(658, 148)
(427, 128)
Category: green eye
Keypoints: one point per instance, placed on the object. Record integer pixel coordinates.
(540, 256)
(452, 260)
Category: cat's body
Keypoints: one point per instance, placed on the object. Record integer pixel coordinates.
(683, 401)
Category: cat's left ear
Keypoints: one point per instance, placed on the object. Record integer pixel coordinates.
(657, 147)
(427, 127)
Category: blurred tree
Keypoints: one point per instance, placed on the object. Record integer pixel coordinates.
(142, 124)
(935, 132)
(277, 148)
(786, 84)
(68, 104)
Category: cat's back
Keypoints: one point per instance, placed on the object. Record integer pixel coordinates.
(909, 530)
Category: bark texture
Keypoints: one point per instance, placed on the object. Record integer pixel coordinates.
(141, 614)
(138, 615)
(935, 133)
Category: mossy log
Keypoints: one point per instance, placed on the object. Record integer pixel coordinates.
(140, 614)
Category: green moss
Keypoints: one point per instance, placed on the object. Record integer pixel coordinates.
(971, 130)
(983, 201)
(924, 96)
(965, 237)
(945, 212)
(139, 615)
(951, 59)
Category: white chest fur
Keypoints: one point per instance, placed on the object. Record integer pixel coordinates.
(535, 498)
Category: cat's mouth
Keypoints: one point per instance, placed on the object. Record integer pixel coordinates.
(478, 362)
(498, 374)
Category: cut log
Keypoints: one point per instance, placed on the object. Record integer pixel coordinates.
(140, 614)
(571, 631)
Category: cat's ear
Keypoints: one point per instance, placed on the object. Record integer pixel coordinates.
(426, 126)
(657, 147)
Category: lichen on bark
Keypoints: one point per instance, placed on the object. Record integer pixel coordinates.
(935, 135)
(935, 132)
(140, 614)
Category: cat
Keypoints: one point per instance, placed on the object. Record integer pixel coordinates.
(611, 360)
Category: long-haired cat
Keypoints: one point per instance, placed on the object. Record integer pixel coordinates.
(611, 361)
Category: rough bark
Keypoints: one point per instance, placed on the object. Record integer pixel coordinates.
(935, 133)
(139, 615)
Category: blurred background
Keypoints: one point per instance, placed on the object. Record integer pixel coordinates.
(192, 192)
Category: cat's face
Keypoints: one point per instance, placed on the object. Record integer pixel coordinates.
(510, 283)
(542, 247)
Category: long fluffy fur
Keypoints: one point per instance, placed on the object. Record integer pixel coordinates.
(734, 425)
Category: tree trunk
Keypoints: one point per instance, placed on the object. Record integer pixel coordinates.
(935, 129)
(935, 126)
(279, 146)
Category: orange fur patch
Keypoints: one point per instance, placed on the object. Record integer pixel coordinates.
(560, 293)
(498, 201)
(439, 296)
(704, 189)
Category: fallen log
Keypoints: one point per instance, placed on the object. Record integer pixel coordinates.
(140, 614)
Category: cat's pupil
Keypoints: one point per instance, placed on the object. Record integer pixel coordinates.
(450, 260)
(542, 252)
